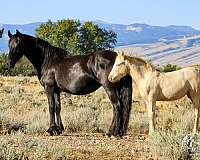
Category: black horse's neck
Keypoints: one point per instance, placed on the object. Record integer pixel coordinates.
(40, 53)
(33, 53)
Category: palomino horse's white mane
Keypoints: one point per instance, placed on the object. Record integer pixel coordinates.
(147, 62)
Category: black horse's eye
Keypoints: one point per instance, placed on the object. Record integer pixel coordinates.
(102, 66)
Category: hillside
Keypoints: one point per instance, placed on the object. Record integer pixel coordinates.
(127, 34)
(183, 51)
(171, 44)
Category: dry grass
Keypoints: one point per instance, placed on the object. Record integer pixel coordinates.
(23, 108)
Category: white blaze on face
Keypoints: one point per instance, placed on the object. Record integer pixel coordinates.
(118, 70)
(113, 72)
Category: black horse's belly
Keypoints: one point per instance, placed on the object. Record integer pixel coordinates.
(78, 83)
(82, 86)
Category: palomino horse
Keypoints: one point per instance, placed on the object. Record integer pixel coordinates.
(156, 86)
(1, 33)
(79, 75)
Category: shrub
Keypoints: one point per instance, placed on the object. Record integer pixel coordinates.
(166, 144)
(171, 129)
(82, 119)
(23, 67)
(170, 68)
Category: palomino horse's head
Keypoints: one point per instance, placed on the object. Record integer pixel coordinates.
(1, 32)
(120, 68)
(16, 48)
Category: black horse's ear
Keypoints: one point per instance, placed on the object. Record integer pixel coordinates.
(9, 34)
(2, 30)
(18, 32)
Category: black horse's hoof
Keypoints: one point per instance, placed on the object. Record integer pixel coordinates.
(55, 130)
(115, 133)
(108, 134)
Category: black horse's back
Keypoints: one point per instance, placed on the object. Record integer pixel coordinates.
(73, 76)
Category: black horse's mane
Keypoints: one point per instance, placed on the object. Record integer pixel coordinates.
(49, 49)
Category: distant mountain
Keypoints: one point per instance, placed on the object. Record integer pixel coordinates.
(183, 52)
(143, 33)
(127, 34)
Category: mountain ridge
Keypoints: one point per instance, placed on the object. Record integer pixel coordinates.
(162, 44)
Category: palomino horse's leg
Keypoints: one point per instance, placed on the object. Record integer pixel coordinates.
(116, 125)
(195, 100)
(151, 115)
(197, 114)
(58, 109)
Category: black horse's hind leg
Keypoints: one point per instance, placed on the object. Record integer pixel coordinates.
(58, 109)
(124, 93)
(117, 121)
(53, 129)
(121, 98)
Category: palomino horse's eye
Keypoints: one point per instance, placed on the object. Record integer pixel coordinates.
(120, 64)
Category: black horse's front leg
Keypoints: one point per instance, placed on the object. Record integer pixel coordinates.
(116, 124)
(116, 127)
(58, 109)
(53, 129)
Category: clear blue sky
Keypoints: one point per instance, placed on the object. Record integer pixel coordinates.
(154, 12)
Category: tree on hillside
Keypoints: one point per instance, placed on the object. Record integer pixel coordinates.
(93, 38)
(75, 37)
(170, 68)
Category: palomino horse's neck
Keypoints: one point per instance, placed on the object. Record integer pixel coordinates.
(33, 54)
(139, 69)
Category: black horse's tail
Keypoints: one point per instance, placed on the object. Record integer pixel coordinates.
(124, 93)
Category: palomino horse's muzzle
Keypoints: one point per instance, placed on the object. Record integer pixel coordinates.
(112, 79)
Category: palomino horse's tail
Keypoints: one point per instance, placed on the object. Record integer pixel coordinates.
(124, 93)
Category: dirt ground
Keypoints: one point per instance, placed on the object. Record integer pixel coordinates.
(81, 146)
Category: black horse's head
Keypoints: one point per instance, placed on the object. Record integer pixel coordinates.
(1, 33)
(16, 48)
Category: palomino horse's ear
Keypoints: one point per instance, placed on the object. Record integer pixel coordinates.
(120, 53)
(9, 34)
(18, 32)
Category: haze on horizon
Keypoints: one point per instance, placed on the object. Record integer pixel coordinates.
(170, 12)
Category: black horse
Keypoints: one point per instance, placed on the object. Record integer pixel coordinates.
(77, 75)
(1, 33)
